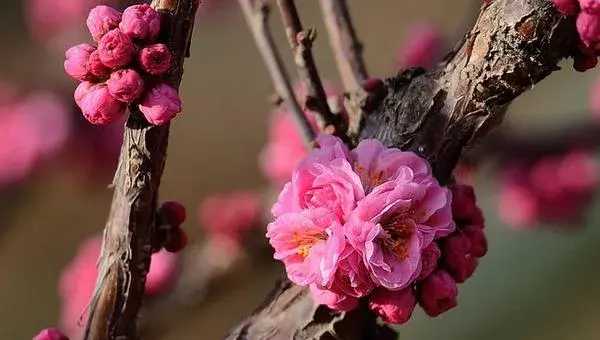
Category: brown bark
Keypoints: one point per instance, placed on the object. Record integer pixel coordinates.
(513, 45)
(129, 230)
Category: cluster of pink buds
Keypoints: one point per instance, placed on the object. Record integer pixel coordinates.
(123, 68)
(551, 189)
(588, 26)
(374, 223)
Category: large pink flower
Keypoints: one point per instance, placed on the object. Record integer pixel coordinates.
(309, 243)
(394, 223)
(325, 179)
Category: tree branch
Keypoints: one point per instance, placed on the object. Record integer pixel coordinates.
(347, 50)
(256, 13)
(301, 43)
(514, 44)
(128, 234)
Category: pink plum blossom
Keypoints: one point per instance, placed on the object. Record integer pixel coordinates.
(309, 243)
(140, 22)
(394, 307)
(160, 104)
(231, 215)
(437, 293)
(115, 49)
(421, 47)
(155, 59)
(76, 60)
(100, 107)
(333, 300)
(324, 179)
(125, 85)
(352, 277)
(588, 26)
(161, 274)
(50, 334)
(101, 20)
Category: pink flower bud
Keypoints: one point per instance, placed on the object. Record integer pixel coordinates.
(588, 26)
(590, 6)
(456, 253)
(583, 62)
(96, 67)
(81, 91)
(394, 307)
(100, 108)
(477, 239)
(161, 104)
(125, 85)
(155, 59)
(566, 7)
(173, 213)
(332, 300)
(437, 293)
(101, 20)
(50, 334)
(429, 260)
(116, 49)
(140, 22)
(76, 61)
(177, 241)
(464, 208)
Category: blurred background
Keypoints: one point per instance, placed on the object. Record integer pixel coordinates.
(538, 281)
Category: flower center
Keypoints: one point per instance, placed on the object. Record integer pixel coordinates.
(306, 241)
(399, 231)
(370, 178)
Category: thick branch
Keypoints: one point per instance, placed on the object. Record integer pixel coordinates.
(126, 248)
(257, 14)
(347, 49)
(514, 44)
(301, 43)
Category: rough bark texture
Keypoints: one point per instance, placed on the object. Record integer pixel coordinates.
(513, 45)
(128, 235)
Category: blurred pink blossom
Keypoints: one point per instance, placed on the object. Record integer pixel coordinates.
(421, 47)
(78, 278)
(231, 215)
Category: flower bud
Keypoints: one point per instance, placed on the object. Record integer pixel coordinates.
(177, 241)
(76, 59)
(96, 67)
(429, 259)
(155, 59)
(140, 22)
(173, 213)
(100, 108)
(589, 6)
(456, 253)
(161, 104)
(588, 26)
(115, 49)
(437, 293)
(394, 307)
(101, 20)
(125, 85)
(477, 239)
(81, 91)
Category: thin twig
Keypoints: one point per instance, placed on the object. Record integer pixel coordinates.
(129, 231)
(301, 43)
(256, 14)
(347, 49)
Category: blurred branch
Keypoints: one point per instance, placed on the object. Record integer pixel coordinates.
(128, 235)
(347, 49)
(513, 45)
(301, 43)
(256, 13)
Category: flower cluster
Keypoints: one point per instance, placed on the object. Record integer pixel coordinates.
(553, 189)
(588, 26)
(367, 223)
(124, 67)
